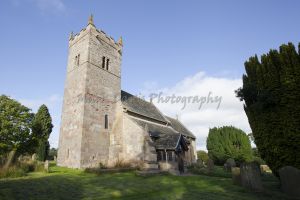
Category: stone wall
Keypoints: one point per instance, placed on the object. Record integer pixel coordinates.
(134, 139)
(69, 151)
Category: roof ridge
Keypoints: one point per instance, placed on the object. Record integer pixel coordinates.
(167, 126)
(182, 125)
(141, 107)
(137, 97)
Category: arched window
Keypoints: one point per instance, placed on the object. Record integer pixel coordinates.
(75, 61)
(107, 63)
(106, 122)
(103, 62)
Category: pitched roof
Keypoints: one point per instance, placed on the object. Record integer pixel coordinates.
(179, 127)
(165, 137)
(166, 133)
(141, 107)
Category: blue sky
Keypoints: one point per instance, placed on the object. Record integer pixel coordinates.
(166, 44)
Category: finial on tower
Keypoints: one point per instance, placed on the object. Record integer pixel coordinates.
(91, 20)
(71, 36)
(120, 41)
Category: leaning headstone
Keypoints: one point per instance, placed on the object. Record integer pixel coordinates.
(229, 164)
(33, 157)
(236, 175)
(210, 165)
(251, 176)
(46, 165)
(265, 168)
(290, 181)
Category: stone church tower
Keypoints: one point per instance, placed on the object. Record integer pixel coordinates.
(102, 124)
(91, 115)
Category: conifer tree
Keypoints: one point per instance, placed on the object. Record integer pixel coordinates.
(42, 128)
(271, 92)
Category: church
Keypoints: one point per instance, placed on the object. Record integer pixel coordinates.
(102, 125)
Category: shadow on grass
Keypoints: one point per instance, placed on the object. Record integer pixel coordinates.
(48, 187)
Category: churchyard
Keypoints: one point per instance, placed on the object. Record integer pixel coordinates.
(64, 183)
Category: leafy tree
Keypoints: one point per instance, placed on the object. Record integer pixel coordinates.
(202, 155)
(228, 142)
(42, 128)
(52, 153)
(15, 124)
(271, 92)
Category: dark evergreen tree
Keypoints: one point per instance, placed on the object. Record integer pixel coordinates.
(271, 91)
(228, 142)
(42, 128)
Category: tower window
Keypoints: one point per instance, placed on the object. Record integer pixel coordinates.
(77, 58)
(103, 62)
(106, 122)
(107, 63)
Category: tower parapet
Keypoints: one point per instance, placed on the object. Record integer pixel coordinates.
(100, 34)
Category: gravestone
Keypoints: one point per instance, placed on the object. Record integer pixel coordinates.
(251, 176)
(33, 157)
(229, 164)
(54, 158)
(290, 181)
(210, 165)
(236, 175)
(46, 165)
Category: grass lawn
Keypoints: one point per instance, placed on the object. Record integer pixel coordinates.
(63, 183)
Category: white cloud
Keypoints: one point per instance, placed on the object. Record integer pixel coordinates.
(199, 121)
(54, 103)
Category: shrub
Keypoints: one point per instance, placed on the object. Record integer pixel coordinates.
(27, 166)
(228, 142)
(121, 164)
(12, 172)
(102, 166)
(202, 155)
(39, 166)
